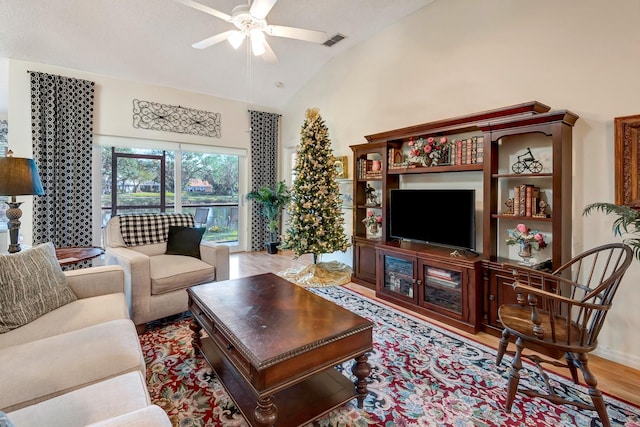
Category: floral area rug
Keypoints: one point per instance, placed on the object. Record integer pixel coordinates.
(422, 375)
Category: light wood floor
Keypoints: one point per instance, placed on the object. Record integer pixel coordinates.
(613, 378)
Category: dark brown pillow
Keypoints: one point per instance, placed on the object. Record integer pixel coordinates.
(184, 241)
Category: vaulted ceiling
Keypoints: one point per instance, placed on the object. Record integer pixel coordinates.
(150, 41)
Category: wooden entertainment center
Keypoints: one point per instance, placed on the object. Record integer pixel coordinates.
(464, 288)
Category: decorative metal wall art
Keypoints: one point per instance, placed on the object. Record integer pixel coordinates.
(172, 118)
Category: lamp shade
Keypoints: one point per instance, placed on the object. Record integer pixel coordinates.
(19, 177)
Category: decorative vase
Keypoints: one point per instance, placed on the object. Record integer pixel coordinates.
(525, 254)
(272, 247)
(373, 228)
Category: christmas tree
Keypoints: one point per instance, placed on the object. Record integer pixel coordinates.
(316, 224)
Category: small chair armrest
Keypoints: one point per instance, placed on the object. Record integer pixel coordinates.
(136, 268)
(95, 281)
(532, 290)
(217, 255)
(538, 275)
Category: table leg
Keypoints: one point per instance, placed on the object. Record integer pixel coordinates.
(195, 335)
(361, 369)
(266, 413)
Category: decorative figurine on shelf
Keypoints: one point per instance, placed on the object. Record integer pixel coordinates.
(542, 209)
(509, 205)
(371, 196)
(526, 162)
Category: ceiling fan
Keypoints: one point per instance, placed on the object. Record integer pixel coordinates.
(250, 21)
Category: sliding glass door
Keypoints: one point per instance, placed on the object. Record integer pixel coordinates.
(201, 180)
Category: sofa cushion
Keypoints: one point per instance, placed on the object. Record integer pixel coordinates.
(97, 402)
(173, 272)
(31, 284)
(149, 416)
(70, 317)
(144, 229)
(184, 241)
(46, 368)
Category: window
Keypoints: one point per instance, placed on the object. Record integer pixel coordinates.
(210, 181)
(138, 177)
(145, 181)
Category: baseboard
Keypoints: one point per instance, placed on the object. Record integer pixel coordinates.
(629, 360)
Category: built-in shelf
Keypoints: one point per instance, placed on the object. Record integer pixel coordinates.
(521, 175)
(484, 283)
(437, 169)
(522, 218)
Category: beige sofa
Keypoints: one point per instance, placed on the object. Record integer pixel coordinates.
(156, 282)
(80, 364)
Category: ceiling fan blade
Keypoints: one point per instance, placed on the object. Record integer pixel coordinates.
(296, 33)
(269, 56)
(205, 9)
(213, 40)
(261, 8)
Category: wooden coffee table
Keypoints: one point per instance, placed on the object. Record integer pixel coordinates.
(275, 345)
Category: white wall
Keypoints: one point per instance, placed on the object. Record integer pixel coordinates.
(456, 57)
(113, 106)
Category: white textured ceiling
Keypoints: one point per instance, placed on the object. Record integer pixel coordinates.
(150, 41)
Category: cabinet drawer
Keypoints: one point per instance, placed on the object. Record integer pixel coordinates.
(201, 318)
(232, 353)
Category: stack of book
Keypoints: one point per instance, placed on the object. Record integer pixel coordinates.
(446, 278)
(365, 170)
(468, 151)
(396, 159)
(526, 200)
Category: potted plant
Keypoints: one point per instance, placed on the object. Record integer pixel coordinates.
(273, 200)
(628, 222)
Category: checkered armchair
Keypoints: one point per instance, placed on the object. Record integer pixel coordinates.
(156, 282)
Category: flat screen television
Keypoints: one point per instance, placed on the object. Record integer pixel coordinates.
(438, 217)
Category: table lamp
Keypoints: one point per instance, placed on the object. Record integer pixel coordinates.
(18, 177)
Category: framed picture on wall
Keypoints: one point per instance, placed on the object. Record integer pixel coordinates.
(342, 167)
(627, 161)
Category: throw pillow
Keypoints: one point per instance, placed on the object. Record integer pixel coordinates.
(184, 241)
(31, 284)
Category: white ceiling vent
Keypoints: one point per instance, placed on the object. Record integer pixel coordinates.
(335, 39)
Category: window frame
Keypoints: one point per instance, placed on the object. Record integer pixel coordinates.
(178, 148)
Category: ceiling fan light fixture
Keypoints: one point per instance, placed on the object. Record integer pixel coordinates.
(236, 39)
(257, 42)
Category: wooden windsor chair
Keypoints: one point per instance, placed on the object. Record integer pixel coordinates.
(561, 314)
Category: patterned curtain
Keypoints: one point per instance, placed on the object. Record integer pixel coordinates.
(62, 137)
(264, 162)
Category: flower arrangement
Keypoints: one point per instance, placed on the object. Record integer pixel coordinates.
(372, 219)
(430, 151)
(524, 236)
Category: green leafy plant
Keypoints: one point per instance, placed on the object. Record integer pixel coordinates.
(273, 200)
(626, 223)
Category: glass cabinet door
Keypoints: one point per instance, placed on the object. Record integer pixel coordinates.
(399, 276)
(443, 288)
